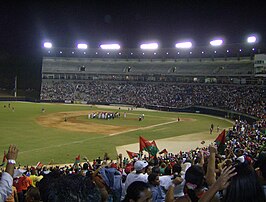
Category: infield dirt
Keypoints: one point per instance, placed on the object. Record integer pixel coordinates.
(69, 121)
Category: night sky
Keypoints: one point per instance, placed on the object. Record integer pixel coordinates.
(26, 25)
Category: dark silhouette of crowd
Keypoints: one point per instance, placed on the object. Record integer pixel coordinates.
(244, 99)
(235, 173)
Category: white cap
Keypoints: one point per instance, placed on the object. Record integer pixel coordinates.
(139, 165)
(18, 172)
(241, 159)
(46, 172)
(184, 167)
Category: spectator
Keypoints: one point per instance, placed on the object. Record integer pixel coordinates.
(14, 196)
(138, 191)
(201, 194)
(138, 174)
(6, 179)
(34, 177)
(158, 194)
(54, 187)
(261, 170)
(33, 195)
(244, 186)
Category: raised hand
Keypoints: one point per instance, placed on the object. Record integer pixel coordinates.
(212, 149)
(223, 181)
(12, 152)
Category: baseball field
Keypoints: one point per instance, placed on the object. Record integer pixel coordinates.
(57, 133)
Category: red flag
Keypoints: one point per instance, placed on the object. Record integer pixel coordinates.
(163, 152)
(132, 154)
(39, 165)
(221, 138)
(150, 147)
(153, 143)
(77, 160)
(142, 143)
(220, 141)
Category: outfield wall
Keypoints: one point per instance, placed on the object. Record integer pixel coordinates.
(207, 110)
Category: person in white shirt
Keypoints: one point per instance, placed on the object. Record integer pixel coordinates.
(138, 174)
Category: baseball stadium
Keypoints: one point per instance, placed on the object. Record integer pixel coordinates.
(108, 107)
(132, 101)
(172, 94)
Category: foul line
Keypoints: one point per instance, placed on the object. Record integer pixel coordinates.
(143, 128)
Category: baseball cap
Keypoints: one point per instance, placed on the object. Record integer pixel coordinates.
(139, 165)
(18, 172)
(241, 159)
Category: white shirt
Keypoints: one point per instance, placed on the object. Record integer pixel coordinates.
(166, 182)
(133, 176)
(6, 183)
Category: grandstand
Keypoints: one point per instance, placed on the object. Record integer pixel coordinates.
(223, 83)
(55, 67)
(182, 71)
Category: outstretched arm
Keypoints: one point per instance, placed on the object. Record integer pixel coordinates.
(7, 177)
(221, 183)
(170, 193)
(210, 175)
(11, 159)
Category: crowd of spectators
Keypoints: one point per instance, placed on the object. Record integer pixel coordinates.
(244, 99)
(235, 173)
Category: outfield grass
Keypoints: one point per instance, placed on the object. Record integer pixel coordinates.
(39, 143)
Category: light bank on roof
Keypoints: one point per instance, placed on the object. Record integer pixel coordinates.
(154, 45)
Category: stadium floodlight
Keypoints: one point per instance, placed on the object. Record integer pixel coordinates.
(216, 42)
(47, 45)
(184, 45)
(251, 39)
(110, 46)
(149, 46)
(82, 46)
